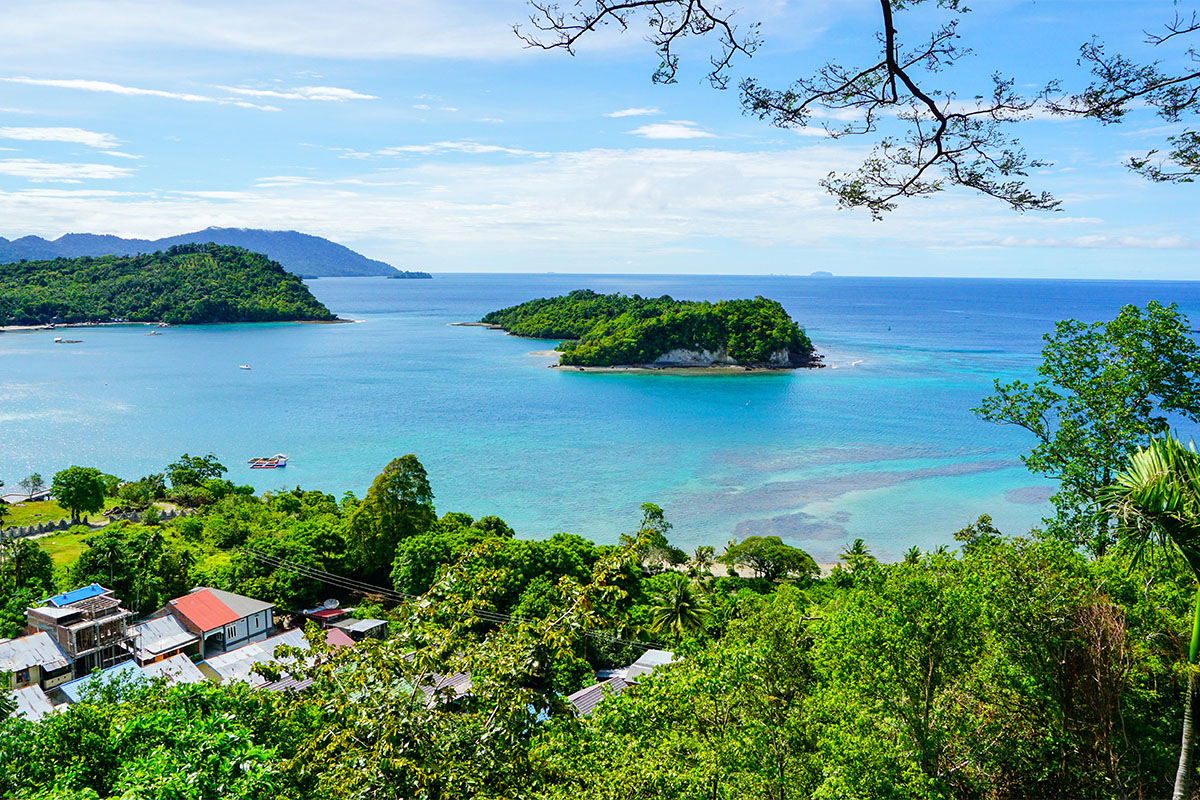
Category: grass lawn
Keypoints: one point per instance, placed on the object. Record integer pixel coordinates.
(44, 511)
(64, 548)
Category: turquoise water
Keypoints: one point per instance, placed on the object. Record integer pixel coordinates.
(881, 445)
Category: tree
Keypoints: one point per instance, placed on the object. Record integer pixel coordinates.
(1103, 389)
(857, 555)
(194, 470)
(678, 609)
(398, 505)
(32, 484)
(770, 558)
(654, 550)
(80, 490)
(948, 142)
(1157, 502)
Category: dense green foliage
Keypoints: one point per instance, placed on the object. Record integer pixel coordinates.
(80, 490)
(1103, 389)
(616, 329)
(186, 284)
(1009, 668)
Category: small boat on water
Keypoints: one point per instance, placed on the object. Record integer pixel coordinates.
(154, 333)
(243, 366)
(269, 462)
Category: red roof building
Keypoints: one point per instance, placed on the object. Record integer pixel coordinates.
(222, 620)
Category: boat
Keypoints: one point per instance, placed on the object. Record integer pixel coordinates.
(269, 462)
(154, 333)
(243, 366)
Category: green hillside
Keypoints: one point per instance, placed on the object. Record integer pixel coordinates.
(186, 284)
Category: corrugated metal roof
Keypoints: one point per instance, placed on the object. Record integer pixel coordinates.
(125, 671)
(586, 699)
(338, 638)
(32, 703)
(288, 684)
(26, 651)
(176, 669)
(360, 625)
(75, 595)
(459, 684)
(327, 613)
(647, 663)
(238, 665)
(156, 636)
(204, 610)
(240, 604)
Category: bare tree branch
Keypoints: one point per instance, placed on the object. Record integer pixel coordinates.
(948, 142)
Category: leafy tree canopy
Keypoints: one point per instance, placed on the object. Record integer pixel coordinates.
(186, 284)
(1102, 390)
(616, 329)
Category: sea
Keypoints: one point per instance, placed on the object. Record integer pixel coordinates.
(881, 444)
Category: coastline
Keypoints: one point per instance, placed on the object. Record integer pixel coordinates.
(58, 325)
(679, 369)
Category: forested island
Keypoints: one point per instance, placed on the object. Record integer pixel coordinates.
(185, 284)
(616, 330)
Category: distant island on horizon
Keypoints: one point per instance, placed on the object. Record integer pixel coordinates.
(184, 285)
(630, 332)
(300, 253)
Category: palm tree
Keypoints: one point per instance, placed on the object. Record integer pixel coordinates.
(1156, 502)
(678, 609)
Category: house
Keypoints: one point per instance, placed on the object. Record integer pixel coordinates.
(126, 671)
(585, 700)
(31, 703)
(160, 638)
(20, 497)
(360, 629)
(615, 682)
(222, 620)
(34, 660)
(239, 664)
(647, 663)
(88, 625)
(176, 669)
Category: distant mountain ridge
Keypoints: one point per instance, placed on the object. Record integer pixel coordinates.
(300, 253)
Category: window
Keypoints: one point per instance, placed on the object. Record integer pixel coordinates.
(257, 620)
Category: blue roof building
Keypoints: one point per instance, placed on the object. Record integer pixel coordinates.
(75, 595)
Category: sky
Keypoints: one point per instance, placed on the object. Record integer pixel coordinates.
(423, 133)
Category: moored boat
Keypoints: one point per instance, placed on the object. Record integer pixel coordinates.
(269, 462)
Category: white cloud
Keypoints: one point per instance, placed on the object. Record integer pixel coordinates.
(634, 112)
(48, 172)
(133, 91)
(435, 148)
(675, 129)
(322, 93)
(100, 141)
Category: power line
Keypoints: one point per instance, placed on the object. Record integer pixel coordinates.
(364, 588)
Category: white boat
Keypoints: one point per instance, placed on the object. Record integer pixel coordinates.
(243, 366)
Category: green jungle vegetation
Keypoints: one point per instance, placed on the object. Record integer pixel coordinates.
(1056, 664)
(185, 284)
(617, 329)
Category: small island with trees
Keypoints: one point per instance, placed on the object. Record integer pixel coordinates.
(183, 285)
(629, 332)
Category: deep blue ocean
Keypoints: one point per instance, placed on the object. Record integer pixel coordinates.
(880, 445)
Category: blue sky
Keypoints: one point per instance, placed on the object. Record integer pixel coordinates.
(422, 133)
